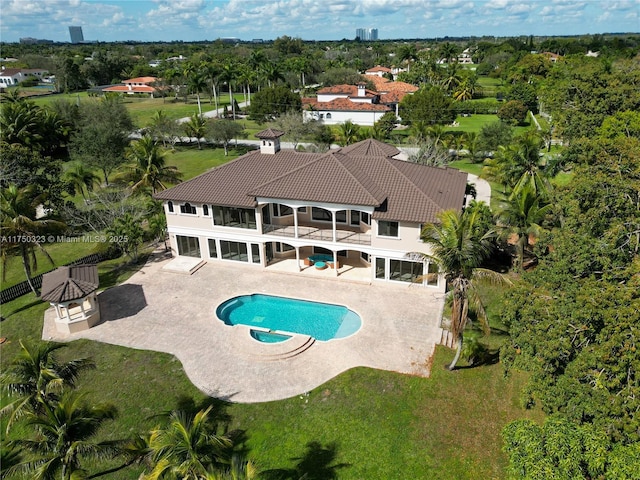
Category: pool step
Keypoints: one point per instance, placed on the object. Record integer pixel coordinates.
(270, 352)
(446, 338)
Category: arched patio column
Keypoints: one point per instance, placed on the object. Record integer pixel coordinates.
(295, 222)
(333, 224)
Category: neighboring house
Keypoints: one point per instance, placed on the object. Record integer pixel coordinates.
(465, 57)
(135, 85)
(378, 71)
(553, 57)
(334, 105)
(356, 206)
(339, 103)
(13, 76)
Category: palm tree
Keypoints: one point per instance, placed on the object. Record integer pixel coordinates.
(448, 51)
(228, 75)
(272, 73)
(459, 244)
(37, 378)
(81, 179)
(187, 447)
(164, 128)
(349, 133)
(211, 71)
(523, 214)
(22, 229)
(197, 84)
(65, 437)
(196, 127)
(519, 164)
(408, 53)
(148, 169)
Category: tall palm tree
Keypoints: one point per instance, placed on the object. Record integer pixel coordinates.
(408, 53)
(272, 73)
(459, 246)
(81, 179)
(148, 168)
(523, 215)
(65, 437)
(21, 228)
(187, 447)
(211, 70)
(36, 377)
(228, 75)
(448, 51)
(197, 84)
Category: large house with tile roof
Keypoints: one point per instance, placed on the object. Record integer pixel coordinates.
(135, 85)
(13, 76)
(339, 103)
(352, 209)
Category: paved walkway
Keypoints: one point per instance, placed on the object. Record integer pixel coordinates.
(173, 313)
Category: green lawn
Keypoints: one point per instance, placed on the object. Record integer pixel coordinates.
(61, 253)
(367, 423)
(192, 162)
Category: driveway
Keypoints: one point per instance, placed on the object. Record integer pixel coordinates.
(174, 313)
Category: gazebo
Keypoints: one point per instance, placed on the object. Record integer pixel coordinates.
(71, 291)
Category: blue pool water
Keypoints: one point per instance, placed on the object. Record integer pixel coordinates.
(322, 321)
(268, 337)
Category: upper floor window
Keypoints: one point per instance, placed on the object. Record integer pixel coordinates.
(234, 217)
(205, 210)
(280, 210)
(365, 217)
(188, 208)
(387, 229)
(170, 206)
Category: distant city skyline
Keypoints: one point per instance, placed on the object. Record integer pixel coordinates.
(199, 20)
(367, 34)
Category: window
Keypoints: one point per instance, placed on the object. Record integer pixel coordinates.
(355, 218)
(188, 209)
(302, 209)
(432, 274)
(321, 214)
(387, 229)
(188, 246)
(255, 253)
(365, 256)
(322, 250)
(328, 115)
(280, 210)
(366, 218)
(234, 217)
(213, 251)
(170, 206)
(283, 247)
(205, 210)
(380, 268)
(403, 271)
(341, 216)
(233, 251)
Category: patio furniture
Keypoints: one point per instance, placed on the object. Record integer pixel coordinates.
(320, 265)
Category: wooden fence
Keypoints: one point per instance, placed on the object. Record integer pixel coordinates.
(23, 288)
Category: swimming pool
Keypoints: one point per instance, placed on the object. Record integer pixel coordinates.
(322, 321)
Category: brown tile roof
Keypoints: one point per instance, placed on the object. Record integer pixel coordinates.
(384, 85)
(344, 105)
(132, 88)
(349, 90)
(360, 174)
(141, 80)
(10, 72)
(379, 68)
(269, 133)
(370, 147)
(65, 284)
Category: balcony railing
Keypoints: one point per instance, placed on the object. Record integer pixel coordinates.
(313, 233)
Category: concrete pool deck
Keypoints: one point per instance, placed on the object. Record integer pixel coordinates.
(174, 313)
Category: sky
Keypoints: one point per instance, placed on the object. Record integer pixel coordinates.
(198, 20)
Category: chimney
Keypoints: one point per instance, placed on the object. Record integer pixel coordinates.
(361, 89)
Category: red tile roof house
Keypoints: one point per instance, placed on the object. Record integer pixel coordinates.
(334, 105)
(135, 85)
(357, 207)
(13, 76)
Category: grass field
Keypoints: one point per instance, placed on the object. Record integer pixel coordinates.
(366, 423)
(192, 162)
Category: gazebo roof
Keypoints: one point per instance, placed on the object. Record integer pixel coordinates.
(66, 284)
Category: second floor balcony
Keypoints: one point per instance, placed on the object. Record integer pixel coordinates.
(316, 233)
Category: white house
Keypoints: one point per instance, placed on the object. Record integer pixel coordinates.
(134, 85)
(353, 209)
(13, 76)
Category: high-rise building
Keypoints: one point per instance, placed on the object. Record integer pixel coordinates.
(76, 34)
(365, 34)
